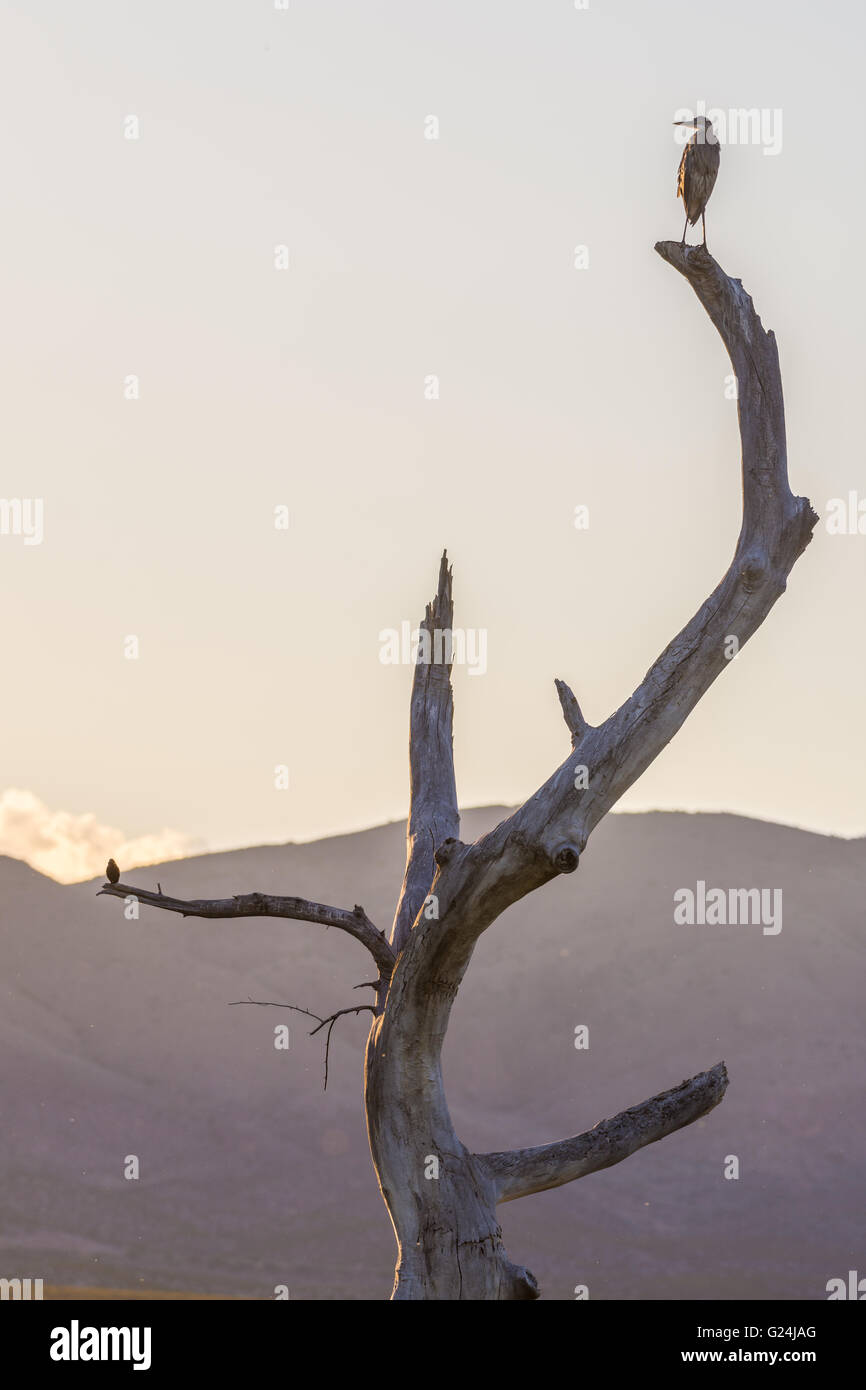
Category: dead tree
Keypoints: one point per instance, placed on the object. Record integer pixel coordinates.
(449, 1239)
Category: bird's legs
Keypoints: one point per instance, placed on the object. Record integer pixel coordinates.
(704, 225)
(685, 229)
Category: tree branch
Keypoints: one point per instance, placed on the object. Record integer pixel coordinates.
(433, 813)
(331, 1019)
(356, 923)
(547, 835)
(523, 1171)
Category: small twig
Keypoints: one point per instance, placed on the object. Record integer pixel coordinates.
(571, 712)
(320, 1022)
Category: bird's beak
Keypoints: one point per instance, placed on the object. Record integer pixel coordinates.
(691, 123)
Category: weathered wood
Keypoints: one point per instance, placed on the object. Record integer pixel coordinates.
(520, 1172)
(441, 1198)
(449, 1241)
(433, 814)
(524, 851)
(356, 923)
(571, 712)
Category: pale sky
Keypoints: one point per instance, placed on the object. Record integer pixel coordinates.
(408, 257)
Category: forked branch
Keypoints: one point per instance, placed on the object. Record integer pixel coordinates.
(547, 835)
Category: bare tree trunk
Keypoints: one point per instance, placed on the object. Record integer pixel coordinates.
(441, 1198)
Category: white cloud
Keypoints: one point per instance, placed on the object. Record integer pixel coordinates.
(69, 848)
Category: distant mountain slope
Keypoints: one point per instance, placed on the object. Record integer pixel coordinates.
(117, 1038)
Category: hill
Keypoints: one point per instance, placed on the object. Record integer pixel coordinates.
(117, 1039)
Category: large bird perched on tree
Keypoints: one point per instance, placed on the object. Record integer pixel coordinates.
(697, 173)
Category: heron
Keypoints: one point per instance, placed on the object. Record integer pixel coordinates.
(697, 173)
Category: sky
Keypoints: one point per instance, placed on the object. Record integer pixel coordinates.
(293, 301)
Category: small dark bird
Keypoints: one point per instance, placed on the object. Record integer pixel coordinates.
(112, 873)
(697, 173)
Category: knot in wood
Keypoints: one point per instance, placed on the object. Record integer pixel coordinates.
(445, 850)
(566, 859)
(752, 574)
